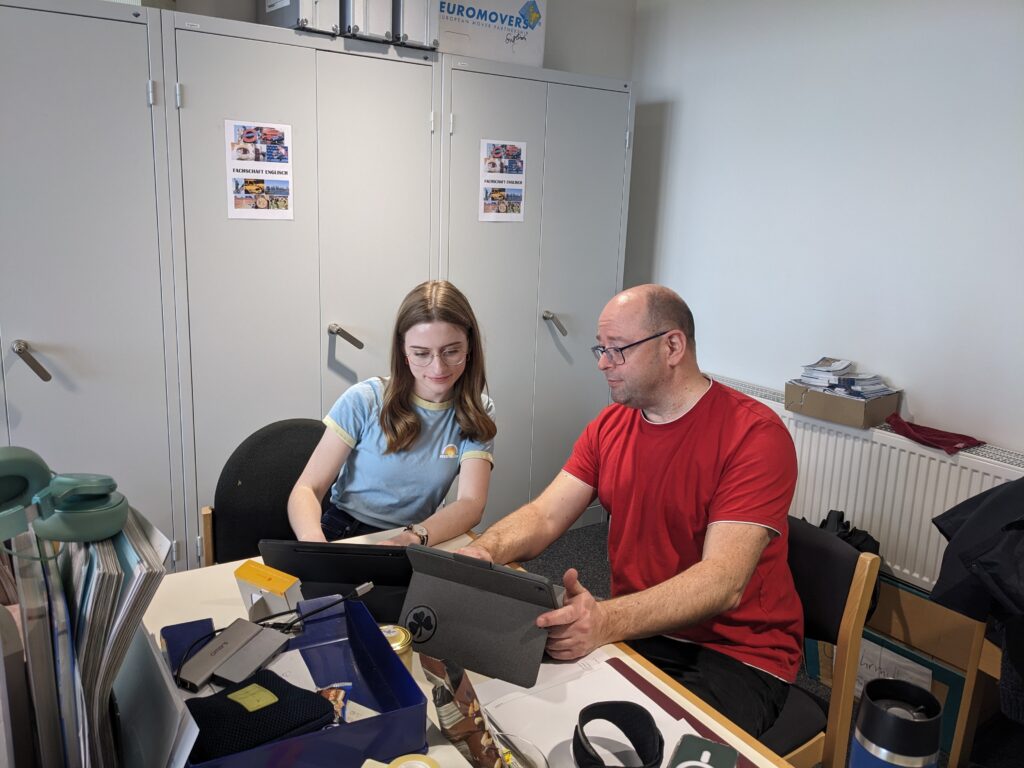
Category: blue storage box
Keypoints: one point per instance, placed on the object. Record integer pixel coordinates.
(344, 643)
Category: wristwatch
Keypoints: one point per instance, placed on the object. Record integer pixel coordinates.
(420, 531)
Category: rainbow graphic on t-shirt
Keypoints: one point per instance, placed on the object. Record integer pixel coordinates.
(450, 451)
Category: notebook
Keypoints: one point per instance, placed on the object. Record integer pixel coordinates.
(480, 615)
(338, 568)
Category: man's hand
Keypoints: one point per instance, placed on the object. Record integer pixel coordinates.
(578, 627)
(474, 550)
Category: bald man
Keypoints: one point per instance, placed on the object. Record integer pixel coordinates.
(697, 479)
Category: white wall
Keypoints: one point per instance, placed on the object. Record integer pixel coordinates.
(592, 37)
(841, 178)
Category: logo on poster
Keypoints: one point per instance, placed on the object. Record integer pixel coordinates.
(528, 18)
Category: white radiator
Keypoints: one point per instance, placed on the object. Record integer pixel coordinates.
(886, 484)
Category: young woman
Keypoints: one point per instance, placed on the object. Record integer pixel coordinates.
(393, 446)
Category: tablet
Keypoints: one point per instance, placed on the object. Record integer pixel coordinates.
(478, 614)
(490, 577)
(327, 568)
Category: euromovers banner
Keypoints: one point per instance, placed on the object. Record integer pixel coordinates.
(502, 30)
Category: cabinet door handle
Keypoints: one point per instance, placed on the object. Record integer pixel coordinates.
(20, 348)
(553, 318)
(337, 330)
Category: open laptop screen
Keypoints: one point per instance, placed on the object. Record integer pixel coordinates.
(338, 568)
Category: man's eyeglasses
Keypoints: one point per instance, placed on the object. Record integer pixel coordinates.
(450, 357)
(614, 354)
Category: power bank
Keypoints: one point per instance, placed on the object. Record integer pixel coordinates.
(197, 670)
(250, 657)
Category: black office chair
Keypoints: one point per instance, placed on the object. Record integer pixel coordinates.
(251, 499)
(834, 582)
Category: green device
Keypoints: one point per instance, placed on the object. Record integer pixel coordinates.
(695, 752)
(72, 507)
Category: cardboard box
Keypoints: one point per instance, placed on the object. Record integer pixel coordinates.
(841, 410)
(300, 14)
(500, 30)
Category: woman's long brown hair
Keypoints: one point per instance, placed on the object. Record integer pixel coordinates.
(431, 302)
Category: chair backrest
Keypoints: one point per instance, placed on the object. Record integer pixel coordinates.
(834, 582)
(823, 566)
(251, 499)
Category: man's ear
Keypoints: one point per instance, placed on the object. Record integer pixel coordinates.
(677, 346)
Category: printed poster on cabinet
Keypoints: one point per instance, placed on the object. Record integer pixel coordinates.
(502, 180)
(259, 165)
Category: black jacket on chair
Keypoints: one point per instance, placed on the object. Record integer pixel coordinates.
(982, 571)
(982, 574)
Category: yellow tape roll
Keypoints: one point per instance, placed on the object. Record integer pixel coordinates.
(414, 761)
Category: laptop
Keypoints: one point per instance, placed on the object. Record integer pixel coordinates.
(337, 568)
(480, 615)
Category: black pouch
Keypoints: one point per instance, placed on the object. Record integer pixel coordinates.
(860, 540)
(258, 710)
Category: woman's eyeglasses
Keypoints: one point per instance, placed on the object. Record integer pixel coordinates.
(450, 357)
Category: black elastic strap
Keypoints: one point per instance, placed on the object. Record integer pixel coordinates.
(634, 721)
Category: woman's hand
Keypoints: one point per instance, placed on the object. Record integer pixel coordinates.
(400, 540)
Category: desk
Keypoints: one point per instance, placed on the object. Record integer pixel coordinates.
(212, 591)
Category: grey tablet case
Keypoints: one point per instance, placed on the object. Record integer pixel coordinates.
(477, 614)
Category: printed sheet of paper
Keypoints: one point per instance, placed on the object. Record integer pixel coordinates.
(545, 714)
(259, 170)
(502, 180)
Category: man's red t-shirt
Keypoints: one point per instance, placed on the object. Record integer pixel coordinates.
(729, 459)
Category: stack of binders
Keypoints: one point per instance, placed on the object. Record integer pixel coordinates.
(80, 608)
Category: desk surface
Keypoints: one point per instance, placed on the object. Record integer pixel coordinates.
(212, 592)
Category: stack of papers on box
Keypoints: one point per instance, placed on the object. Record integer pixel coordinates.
(838, 377)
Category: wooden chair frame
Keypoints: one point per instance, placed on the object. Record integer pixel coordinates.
(830, 746)
(206, 525)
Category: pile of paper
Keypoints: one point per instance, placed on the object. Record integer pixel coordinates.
(80, 609)
(838, 377)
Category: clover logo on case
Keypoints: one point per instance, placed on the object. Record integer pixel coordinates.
(422, 623)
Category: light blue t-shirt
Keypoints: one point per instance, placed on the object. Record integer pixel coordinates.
(395, 489)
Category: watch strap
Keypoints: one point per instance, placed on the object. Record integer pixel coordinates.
(633, 720)
(419, 530)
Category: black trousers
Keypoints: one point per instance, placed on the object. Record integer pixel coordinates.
(339, 524)
(749, 697)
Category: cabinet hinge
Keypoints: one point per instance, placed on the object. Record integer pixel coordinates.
(628, 139)
(177, 95)
(431, 121)
(150, 93)
(175, 551)
(451, 123)
(199, 549)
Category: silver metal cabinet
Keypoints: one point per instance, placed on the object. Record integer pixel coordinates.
(83, 284)
(584, 217)
(376, 181)
(554, 271)
(496, 264)
(249, 289)
(278, 318)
